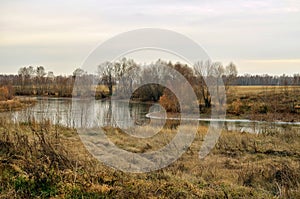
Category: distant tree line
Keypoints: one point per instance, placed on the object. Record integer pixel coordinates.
(125, 74)
(37, 81)
(264, 80)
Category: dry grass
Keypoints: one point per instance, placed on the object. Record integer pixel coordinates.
(268, 103)
(101, 88)
(42, 161)
(47, 161)
(16, 104)
(242, 90)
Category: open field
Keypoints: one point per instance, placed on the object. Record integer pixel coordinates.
(242, 90)
(269, 103)
(40, 161)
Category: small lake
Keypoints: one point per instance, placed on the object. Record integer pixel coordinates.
(88, 113)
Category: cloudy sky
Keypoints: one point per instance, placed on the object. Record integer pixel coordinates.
(259, 36)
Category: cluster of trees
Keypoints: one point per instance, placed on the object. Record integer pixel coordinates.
(124, 71)
(37, 81)
(124, 76)
(130, 79)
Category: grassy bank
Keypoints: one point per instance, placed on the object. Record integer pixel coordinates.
(16, 103)
(41, 161)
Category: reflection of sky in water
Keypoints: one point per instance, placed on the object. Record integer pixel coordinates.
(85, 113)
(97, 113)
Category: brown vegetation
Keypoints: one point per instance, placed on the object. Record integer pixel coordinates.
(17, 103)
(268, 103)
(6, 93)
(8, 102)
(40, 161)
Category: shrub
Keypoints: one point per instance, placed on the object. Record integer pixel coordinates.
(169, 102)
(6, 93)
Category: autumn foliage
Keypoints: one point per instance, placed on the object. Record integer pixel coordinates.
(6, 93)
(169, 101)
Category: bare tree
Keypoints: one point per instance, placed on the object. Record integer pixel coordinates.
(49, 82)
(40, 74)
(106, 74)
(120, 71)
(40, 71)
(26, 74)
(126, 73)
(78, 72)
(203, 71)
(230, 75)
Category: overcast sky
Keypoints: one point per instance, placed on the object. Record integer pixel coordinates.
(259, 36)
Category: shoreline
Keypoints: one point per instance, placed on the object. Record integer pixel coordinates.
(16, 104)
(22, 102)
(151, 116)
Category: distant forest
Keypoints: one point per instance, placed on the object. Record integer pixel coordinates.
(263, 80)
(37, 81)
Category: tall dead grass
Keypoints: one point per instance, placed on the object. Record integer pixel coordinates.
(41, 160)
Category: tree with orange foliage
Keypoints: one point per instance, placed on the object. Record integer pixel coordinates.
(6, 93)
(169, 101)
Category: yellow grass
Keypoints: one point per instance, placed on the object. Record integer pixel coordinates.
(240, 166)
(16, 104)
(259, 89)
(101, 88)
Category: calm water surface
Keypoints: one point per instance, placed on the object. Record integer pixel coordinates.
(85, 113)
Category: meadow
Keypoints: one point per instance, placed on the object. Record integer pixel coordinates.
(267, 103)
(39, 160)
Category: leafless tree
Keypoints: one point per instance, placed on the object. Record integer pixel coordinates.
(230, 75)
(122, 71)
(106, 73)
(26, 74)
(40, 77)
(203, 71)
